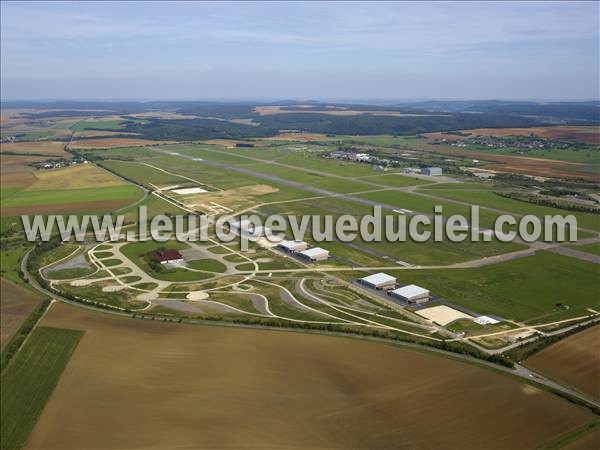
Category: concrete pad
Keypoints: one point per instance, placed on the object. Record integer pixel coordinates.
(442, 314)
(197, 295)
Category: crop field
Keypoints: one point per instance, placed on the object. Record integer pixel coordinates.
(587, 134)
(574, 360)
(29, 380)
(113, 142)
(16, 303)
(80, 176)
(531, 289)
(164, 385)
(535, 166)
(561, 163)
(81, 188)
(15, 171)
(44, 148)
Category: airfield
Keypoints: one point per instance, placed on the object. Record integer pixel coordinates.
(235, 321)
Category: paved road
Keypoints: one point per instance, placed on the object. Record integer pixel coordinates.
(567, 251)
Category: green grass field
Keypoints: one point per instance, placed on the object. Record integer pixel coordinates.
(29, 198)
(138, 252)
(29, 380)
(210, 265)
(526, 289)
(56, 254)
(593, 248)
(482, 195)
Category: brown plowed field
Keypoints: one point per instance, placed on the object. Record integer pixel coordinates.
(50, 148)
(15, 170)
(15, 305)
(517, 164)
(115, 142)
(574, 360)
(145, 384)
(590, 134)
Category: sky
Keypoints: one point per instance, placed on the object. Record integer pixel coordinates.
(300, 50)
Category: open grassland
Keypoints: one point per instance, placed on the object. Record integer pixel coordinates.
(593, 248)
(211, 387)
(70, 200)
(114, 142)
(28, 381)
(574, 360)
(44, 148)
(370, 253)
(16, 303)
(539, 288)
(482, 195)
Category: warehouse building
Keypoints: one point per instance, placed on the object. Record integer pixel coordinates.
(293, 246)
(315, 254)
(431, 171)
(167, 256)
(381, 281)
(411, 294)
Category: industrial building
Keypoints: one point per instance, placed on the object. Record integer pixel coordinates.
(381, 281)
(431, 171)
(411, 294)
(293, 246)
(167, 256)
(485, 320)
(315, 254)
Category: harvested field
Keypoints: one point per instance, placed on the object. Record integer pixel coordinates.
(587, 134)
(15, 170)
(15, 305)
(574, 360)
(101, 133)
(518, 164)
(49, 148)
(270, 110)
(80, 176)
(180, 386)
(116, 142)
(590, 440)
(165, 115)
(17, 163)
(299, 137)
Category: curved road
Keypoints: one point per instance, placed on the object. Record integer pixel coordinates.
(519, 371)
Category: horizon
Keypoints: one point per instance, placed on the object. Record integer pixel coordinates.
(452, 51)
(315, 100)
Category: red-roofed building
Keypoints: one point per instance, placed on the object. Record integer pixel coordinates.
(167, 256)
